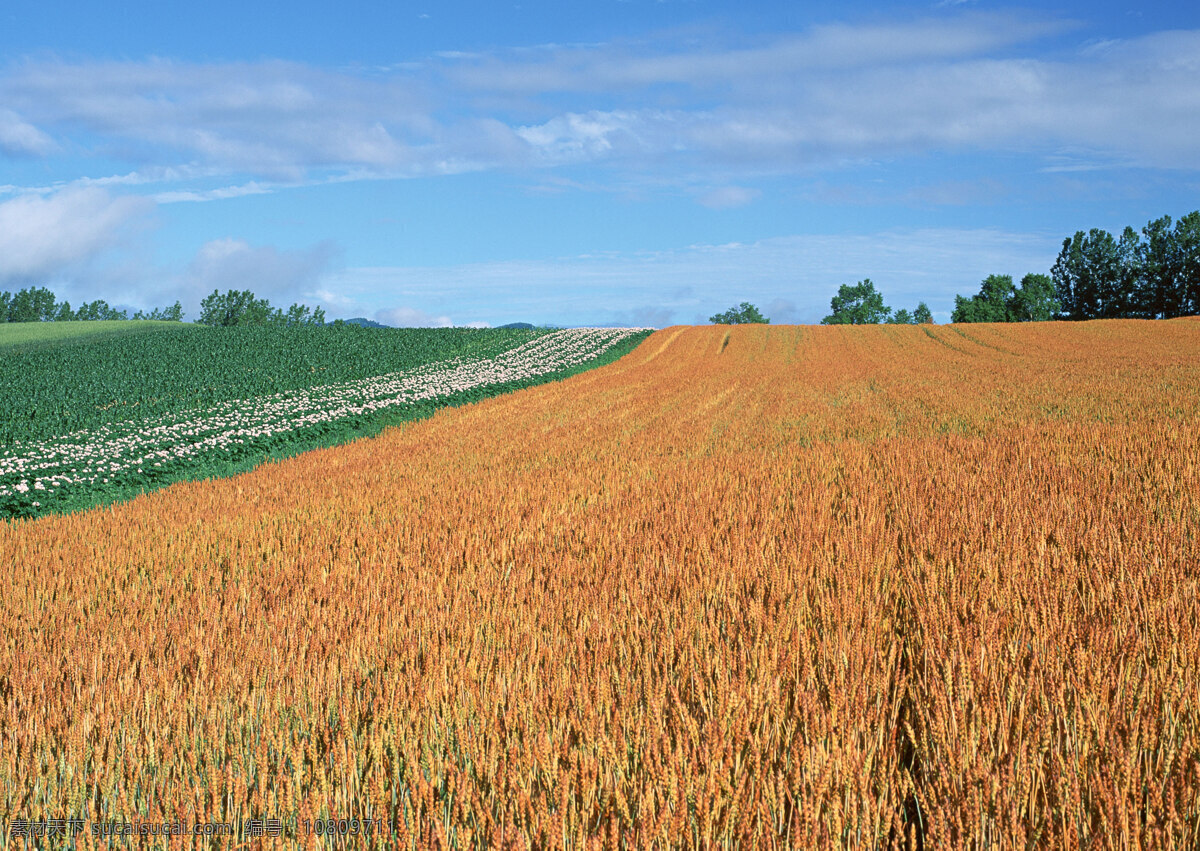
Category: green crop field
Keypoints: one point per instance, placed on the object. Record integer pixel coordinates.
(32, 335)
(86, 420)
(85, 382)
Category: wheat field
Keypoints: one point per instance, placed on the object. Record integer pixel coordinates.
(775, 587)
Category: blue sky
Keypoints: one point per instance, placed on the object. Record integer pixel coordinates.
(592, 162)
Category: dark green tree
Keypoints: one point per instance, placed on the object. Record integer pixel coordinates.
(920, 316)
(860, 304)
(243, 308)
(1069, 274)
(32, 304)
(97, 311)
(1161, 271)
(1120, 293)
(301, 314)
(1187, 241)
(1087, 275)
(990, 304)
(235, 307)
(743, 314)
(1034, 300)
(174, 313)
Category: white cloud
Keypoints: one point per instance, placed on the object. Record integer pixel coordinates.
(653, 112)
(409, 317)
(845, 91)
(19, 138)
(794, 276)
(275, 119)
(574, 137)
(643, 316)
(967, 82)
(728, 196)
(219, 194)
(282, 277)
(618, 67)
(41, 237)
(784, 311)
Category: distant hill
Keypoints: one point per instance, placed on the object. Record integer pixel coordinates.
(366, 323)
(523, 325)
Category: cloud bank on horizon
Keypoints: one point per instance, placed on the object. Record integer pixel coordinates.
(642, 166)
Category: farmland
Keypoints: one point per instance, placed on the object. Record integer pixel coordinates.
(110, 416)
(27, 336)
(744, 587)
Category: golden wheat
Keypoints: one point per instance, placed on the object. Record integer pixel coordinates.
(801, 587)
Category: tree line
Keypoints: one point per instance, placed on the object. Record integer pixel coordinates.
(1151, 275)
(38, 304)
(235, 307)
(241, 307)
(860, 304)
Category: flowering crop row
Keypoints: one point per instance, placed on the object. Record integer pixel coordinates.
(142, 370)
(760, 587)
(33, 471)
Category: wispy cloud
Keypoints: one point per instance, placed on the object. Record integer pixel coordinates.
(633, 67)
(219, 194)
(273, 119)
(960, 82)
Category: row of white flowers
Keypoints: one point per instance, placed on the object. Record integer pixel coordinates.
(99, 455)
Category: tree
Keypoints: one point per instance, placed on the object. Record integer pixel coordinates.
(1034, 300)
(1187, 241)
(1087, 275)
(235, 307)
(38, 305)
(32, 304)
(300, 314)
(243, 308)
(860, 304)
(97, 311)
(174, 313)
(920, 316)
(1161, 273)
(743, 314)
(990, 304)
(1119, 293)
